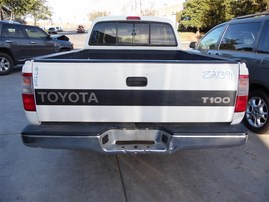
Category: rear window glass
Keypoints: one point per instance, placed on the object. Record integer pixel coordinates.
(240, 37)
(264, 39)
(12, 31)
(210, 40)
(162, 34)
(129, 33)
(132, 33)
(35, 33)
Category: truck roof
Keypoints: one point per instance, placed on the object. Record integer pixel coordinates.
(132, 18)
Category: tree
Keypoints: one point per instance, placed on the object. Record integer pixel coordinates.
(96, 14)
(3, 11)
(149, 12)
(18, 7)
(205, 14)
(40, 11)
(36, 8)
(196, 11)
(245, 7)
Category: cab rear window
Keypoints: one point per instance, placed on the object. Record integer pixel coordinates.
(132, 33)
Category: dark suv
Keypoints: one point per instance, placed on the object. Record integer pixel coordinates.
(21, 42)
(245, 38)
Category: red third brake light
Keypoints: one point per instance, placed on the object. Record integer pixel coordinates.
(242, 97)
(27, 92)
(133, 18)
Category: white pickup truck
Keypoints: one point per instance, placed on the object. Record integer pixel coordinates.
(132, 90)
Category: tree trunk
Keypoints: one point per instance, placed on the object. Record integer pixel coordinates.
(1, 15)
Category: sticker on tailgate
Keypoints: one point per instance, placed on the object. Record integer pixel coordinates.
(135, 97)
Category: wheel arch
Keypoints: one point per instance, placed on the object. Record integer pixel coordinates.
(8, 52)
(252, 115)
(257, 86)
(64, 49)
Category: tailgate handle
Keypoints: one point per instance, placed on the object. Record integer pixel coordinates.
(137, 81)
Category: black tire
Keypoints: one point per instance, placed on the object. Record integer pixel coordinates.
(64, 50)
(256, 117)
(6, 64)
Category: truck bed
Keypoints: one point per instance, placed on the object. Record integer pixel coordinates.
(134, 86)
(88, 55)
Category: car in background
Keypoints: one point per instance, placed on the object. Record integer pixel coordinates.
(19, 43)
(245, 38)
(52, 30)
(80, 29)
(59, 29)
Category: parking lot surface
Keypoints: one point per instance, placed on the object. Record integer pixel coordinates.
(34, 174)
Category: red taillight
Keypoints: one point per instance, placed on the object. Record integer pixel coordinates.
(241, 103)
(27, 74)
(242, 97)
(28, 102)
(27, 92)
(133, 18)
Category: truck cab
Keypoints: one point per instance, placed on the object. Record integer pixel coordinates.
(132, 32)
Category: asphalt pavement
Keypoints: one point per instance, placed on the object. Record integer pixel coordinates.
(34, 174)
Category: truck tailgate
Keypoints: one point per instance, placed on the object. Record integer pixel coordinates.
(117, 91)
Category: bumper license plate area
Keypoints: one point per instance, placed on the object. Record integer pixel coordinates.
(137, 141)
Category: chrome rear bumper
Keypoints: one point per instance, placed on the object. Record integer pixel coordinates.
(164, 139)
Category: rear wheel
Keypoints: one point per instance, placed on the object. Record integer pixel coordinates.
(6, 64)
(64, 50)
(256, 117)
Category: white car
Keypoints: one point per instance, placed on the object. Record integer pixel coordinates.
(52, 30)
(59, 29)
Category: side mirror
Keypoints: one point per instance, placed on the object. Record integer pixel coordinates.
(192, 45)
